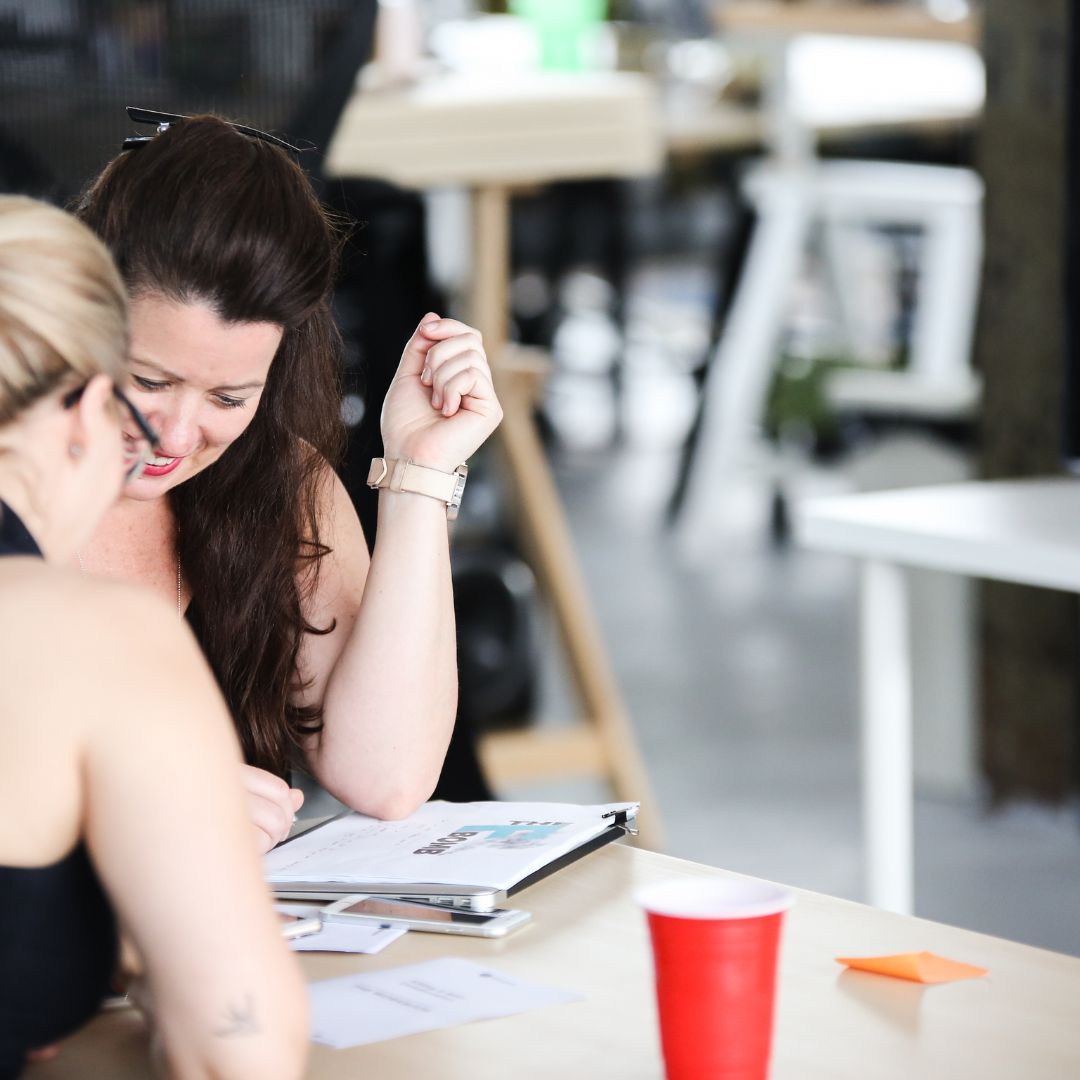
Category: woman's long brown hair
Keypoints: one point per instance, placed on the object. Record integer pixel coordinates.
(204, 213)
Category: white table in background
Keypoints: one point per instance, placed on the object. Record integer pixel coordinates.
(1022, 531)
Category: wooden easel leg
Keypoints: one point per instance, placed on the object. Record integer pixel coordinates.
(543, 529)
(489, 293)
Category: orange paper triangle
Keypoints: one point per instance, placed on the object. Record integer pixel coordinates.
(923, 967)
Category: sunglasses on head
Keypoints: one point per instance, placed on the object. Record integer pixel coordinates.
(163, 121)
(148, 438)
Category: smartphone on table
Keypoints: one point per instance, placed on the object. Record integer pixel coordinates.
(440, 920)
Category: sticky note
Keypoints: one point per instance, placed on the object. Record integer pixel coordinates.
(922, 967)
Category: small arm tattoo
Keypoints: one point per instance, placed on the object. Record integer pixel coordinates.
(239, 1020)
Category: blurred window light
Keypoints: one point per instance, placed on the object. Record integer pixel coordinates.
(699, 60)
(658, 404)
(352, 410)
(486, 43)
(509, 43)
(949, 10)
(530, 294)
(587, 342)
(582, 290)
(581, 410)
(840, 81)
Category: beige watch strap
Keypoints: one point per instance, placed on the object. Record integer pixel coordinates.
(397, 475)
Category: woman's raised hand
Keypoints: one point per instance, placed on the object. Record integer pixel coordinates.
(441, 405)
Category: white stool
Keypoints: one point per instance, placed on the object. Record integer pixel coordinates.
(946, 204)
(790, 201)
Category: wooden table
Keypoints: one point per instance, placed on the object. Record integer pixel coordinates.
(910, 21)
(766, 27)
(587, 935)
(1023, 531)
(490, 134)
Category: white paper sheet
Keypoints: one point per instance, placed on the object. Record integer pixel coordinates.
(342, 937)
(493, 844)
(359, 1009)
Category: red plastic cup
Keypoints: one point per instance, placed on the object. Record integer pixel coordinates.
(715, 944)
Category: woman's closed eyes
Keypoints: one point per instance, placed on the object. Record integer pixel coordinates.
(156, 385)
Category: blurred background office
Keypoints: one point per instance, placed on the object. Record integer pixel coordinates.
(741, 253)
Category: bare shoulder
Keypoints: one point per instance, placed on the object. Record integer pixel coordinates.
(339, 526)
(40, 593)
(333, 586)
(90, 656)
(94, 625)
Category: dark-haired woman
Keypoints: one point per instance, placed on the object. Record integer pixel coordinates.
(341, 664)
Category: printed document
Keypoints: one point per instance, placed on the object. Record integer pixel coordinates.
(358, 1009)
(491, 844)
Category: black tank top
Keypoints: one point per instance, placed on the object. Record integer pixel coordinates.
(57, 931)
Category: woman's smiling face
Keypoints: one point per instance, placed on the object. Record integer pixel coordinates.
(198, 380)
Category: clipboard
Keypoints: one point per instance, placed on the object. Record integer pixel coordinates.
(468, 897)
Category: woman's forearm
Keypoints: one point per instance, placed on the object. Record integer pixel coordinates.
(390, 693)
(391, 696)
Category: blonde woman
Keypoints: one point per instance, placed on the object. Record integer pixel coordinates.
(119, 807)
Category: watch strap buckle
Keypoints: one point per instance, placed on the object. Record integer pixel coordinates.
(377, 473)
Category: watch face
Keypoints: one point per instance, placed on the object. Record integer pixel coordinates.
(461, 473)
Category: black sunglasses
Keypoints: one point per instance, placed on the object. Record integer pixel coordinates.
(163, 120)
(145, 430)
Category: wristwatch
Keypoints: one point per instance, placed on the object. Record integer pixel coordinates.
(396, 475)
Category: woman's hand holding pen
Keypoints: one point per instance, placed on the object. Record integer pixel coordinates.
(272, 805)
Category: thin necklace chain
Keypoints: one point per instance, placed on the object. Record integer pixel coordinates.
(179, 583)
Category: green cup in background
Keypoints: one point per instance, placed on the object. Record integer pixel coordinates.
(563, 27)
